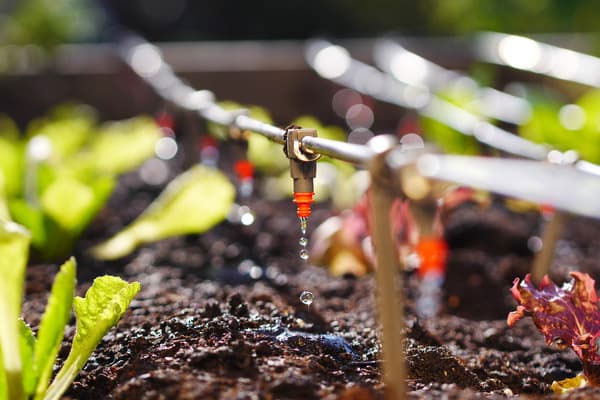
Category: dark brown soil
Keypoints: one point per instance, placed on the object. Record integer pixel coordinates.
(203, 328)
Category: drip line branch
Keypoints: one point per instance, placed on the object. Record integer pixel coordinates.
(147, 62)
(370, 81)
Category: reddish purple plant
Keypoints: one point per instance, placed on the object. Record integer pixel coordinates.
(568, 316)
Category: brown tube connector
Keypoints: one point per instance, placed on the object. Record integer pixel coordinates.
(303, 166)
(303, 163)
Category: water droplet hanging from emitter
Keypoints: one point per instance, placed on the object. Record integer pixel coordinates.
(303, 242)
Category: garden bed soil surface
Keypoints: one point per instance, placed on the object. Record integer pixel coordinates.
(219, 315)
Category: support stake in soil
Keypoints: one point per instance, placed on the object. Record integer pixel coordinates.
(552, 232)
(389, 282)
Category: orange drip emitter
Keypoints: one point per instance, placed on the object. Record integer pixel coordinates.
(433, 252)
(303, 201)
(244, 170)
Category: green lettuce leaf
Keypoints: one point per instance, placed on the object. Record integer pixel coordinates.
(3, 383)
(84, 201)
(52, 327)
(4, 213)
(14, 245)
(11, 157)
(116, 148)
(123, 146)
(103, 305)
(193, 202)
(11, 165)
(31, 218)
(26, 345)
(67, 135)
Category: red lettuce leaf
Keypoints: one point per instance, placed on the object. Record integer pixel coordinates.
(568, 316)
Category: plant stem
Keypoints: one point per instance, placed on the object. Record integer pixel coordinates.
(63, 379)
(15, 385)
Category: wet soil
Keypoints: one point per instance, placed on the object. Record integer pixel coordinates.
(219, 315)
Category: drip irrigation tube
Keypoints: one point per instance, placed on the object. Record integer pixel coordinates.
(368, 80)
(146, 60)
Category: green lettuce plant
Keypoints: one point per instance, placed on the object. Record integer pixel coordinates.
(193, 202)
(79, 170)
(26, 362)
(547, 126)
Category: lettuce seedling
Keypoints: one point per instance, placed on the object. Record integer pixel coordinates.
(101, 308)
(193, 202)
(26, 364)
(568, 316)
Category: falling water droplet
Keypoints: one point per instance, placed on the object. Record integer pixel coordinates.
(303, 225)
(303, 240)
(304, 254)
(307, 297)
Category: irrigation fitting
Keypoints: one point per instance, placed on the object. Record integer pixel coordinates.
(303, 167)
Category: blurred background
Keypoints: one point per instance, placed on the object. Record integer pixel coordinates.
(252, 52)
(257, 55)
(51, 22)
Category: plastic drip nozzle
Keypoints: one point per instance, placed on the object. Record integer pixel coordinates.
(303, 201)
(244, 169)
(432, 252)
